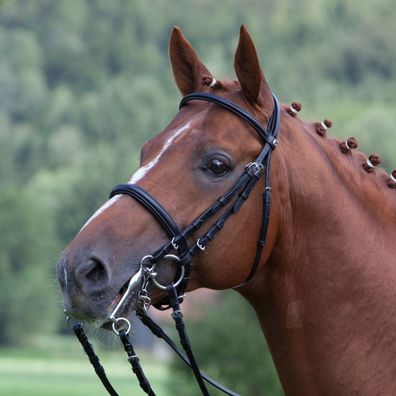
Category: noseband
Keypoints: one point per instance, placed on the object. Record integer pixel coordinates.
(231, 201)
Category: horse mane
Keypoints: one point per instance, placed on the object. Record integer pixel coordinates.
(344, 152)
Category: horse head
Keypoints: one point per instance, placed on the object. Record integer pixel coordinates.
(196, 159)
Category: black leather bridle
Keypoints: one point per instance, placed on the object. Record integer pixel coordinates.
(231, 201)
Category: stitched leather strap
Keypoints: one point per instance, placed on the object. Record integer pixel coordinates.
(236, 110)
(158, 332)
(93, 358)
(134, 361)
(151, 204)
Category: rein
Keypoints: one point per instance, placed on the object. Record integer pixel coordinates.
(232, 200)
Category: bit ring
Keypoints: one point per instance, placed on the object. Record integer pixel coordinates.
(117, 327)
(176, 259)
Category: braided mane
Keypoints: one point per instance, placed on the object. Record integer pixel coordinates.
(344, 151)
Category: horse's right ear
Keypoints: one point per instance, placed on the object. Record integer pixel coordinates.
(188, 70)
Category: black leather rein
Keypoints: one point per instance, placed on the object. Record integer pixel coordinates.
(231, 201)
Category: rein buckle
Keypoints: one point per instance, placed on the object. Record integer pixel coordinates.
(255, 169)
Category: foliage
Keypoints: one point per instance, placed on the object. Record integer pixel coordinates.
(230, 347)
(22, 265)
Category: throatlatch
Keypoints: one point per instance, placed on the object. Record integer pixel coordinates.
(231, 201)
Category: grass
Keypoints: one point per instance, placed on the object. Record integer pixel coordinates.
(56, 366)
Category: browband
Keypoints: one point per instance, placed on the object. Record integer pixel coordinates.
(241, 113)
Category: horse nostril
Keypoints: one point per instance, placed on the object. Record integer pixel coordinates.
(93, 276)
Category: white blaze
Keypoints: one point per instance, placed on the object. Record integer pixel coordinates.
(106, 205)
(141, 172)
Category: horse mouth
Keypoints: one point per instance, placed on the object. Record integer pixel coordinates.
(119, 308)
(128, 298)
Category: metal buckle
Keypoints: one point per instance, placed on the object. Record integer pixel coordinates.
(200, 246)
(255, 168)
(174, 244)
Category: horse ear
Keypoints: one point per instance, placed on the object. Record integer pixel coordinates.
(248, 70)
(187, 68)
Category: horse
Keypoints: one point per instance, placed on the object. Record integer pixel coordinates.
(324, 283)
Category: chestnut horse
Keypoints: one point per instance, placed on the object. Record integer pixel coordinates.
(325, 286)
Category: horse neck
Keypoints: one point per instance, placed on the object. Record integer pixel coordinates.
(325, 297)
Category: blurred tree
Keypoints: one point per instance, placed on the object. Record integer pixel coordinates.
(230, 347)
(22, 84)
(377, 125)
(27, 246)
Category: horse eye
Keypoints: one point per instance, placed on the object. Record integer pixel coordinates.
(217, 167)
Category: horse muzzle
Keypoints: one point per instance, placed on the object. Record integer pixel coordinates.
(91, 291)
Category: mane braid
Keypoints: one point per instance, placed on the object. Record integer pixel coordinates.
(361, 158)
(378, 177)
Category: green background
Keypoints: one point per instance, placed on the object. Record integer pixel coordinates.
(83, 83)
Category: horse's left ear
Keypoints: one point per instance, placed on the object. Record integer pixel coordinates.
(188, 70)
(248, 70)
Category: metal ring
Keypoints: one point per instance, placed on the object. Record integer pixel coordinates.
(177, 259)
(347, 145)
(116, 323)
(324, 126)
(147, 257)
(213, 83)
(370, 164)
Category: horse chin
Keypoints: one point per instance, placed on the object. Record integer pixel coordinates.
(96, 310)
